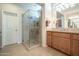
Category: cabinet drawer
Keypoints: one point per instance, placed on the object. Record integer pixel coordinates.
(75, 36)
(63, 35)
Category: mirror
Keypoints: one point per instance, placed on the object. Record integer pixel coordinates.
(67, 15)
(59, 21)
(73, 22)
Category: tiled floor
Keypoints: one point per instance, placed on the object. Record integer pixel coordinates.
(19, 50)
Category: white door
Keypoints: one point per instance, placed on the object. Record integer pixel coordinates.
(11, 28)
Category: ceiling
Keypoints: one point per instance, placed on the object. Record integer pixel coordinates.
(33, 6)
(64, 6)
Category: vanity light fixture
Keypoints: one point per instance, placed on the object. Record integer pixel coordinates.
(62, 6)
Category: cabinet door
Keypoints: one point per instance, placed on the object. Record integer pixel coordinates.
(75, 47)
(49, 37)
(55, 42)
(64, 45)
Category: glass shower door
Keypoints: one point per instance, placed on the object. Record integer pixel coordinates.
(25, 31)
(31, 27)
(34, 32)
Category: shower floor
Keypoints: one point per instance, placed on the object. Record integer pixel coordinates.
(31, 43)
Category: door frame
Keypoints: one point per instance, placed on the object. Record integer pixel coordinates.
(3, 22)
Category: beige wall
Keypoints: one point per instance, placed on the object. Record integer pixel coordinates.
(43, 29)
(48, 13)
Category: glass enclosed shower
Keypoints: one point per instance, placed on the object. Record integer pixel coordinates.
(31, 26)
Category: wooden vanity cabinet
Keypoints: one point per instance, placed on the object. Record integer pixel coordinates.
(65, 42)
(75, 44)
(60, 41)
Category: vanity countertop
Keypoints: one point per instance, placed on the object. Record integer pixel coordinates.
(76, 31)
